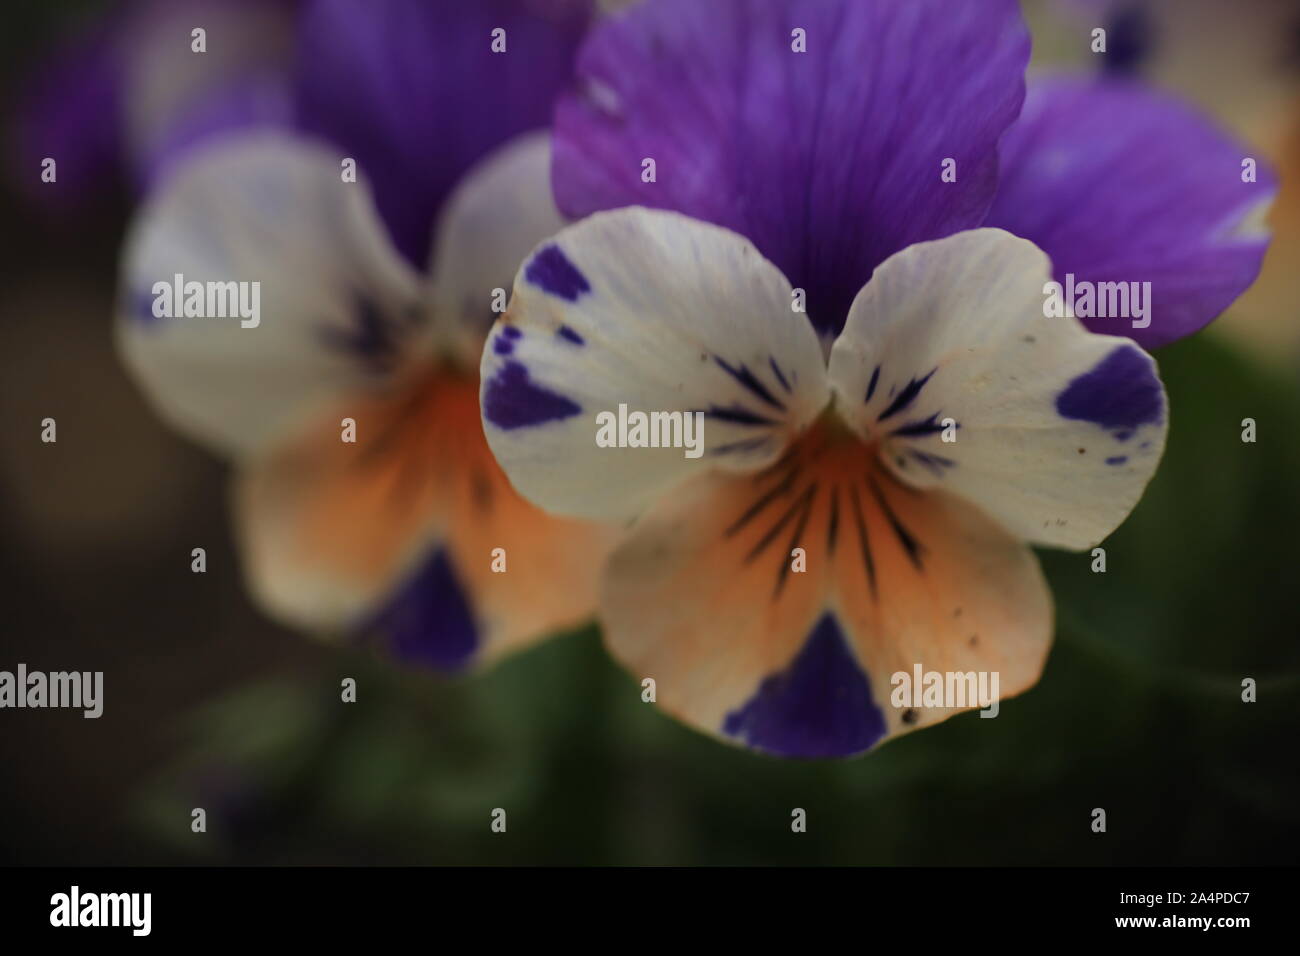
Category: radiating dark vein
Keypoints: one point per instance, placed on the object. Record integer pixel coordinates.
(750, 382)
(906, 396)
(781, 488)
(794, 539)
(833, 525)
(913, 547)
(863, 540)
(789, 513)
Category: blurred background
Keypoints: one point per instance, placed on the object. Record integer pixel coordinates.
(209, 704)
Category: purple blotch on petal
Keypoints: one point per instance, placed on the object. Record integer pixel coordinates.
(1117, 460)
(429, 620)
(512, 400)
(569, 335)
(1120, 392)
(502, 345)
(551, 271)
(820, 706)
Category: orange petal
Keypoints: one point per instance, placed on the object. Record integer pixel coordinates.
(334, 533)
(706, 598)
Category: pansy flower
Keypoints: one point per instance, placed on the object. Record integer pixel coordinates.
(891, 418)
(365, 496)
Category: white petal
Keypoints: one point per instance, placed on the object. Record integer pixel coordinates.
(337, 308)
(491, 221)
(655, 312)
(1056, 430)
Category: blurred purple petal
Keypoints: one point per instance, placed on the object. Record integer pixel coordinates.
(71, 114)
(829, 160)
(130, 91)
(175, 97)
(256, 102)
(1119, 183)
(413, 90)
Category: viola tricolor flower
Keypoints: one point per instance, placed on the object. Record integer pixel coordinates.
(411, 529)
(875, 470)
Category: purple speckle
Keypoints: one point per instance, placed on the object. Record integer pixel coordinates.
(511, 332)
(429, 620)
(569, 335)
(1121, 393)
(551, 271)
(512, 400)
(1117, 460)
(502, 345)
(820, 706)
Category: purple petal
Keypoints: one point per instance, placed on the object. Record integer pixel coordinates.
(828, 160)
(413, 90)
(128, 93)
(1119, 183)
(252, 103)
(71, 115)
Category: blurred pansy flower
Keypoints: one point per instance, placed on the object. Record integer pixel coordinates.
(875, 471)
(1240, 60)
(412, 530)
(129, 94)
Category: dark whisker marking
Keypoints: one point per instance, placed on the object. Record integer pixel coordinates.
(808, 500)
(867, 559)
(935, 463)
(924, 426)
(372, 336)
(737, 415)
(758, 506)
(780, 377)
(747, 378)
(748, 444)
(871, 386)
(789, 513)
(786, 458)
(482, 489)
(411, 475)
(381, 444)
(833, 526)
(906, 396)
(913, 547)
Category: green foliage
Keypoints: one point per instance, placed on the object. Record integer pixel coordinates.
(1139, 712)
